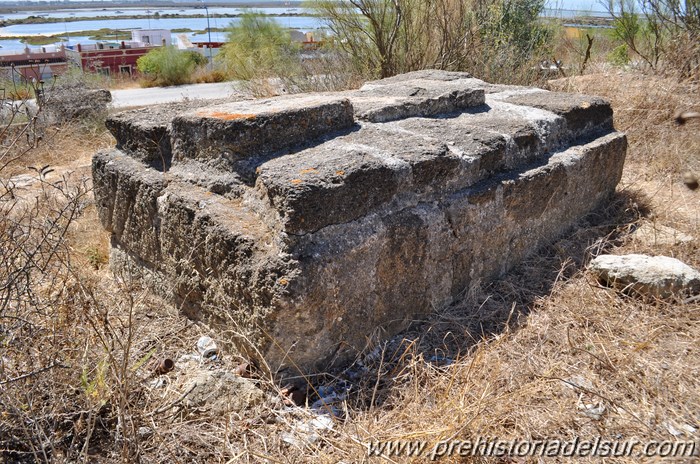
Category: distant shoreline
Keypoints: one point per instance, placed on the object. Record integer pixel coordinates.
(4, 8)
(75, 19)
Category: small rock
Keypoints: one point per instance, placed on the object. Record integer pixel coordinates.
(656, 234)
(648, 276)
(222, 391)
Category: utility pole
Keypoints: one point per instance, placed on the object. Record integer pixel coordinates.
(211, 61)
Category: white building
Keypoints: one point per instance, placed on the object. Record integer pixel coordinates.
(151, 36)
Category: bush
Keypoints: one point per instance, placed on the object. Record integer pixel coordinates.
(493, 39)
(169, 66)
(260, 53)
(664, 35)
(258, 47)
(619, 56)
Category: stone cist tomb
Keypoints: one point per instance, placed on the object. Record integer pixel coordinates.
(307, 224)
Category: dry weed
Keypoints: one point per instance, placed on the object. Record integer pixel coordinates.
(545, 352)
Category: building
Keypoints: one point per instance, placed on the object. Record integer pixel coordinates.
(107, 58)
(39, 64)
(151, 36)
(117, 58)
(207, 49)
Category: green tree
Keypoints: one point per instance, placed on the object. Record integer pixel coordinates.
(664, 34)
(169, 66)
(259, 47)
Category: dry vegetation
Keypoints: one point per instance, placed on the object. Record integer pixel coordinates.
(532, 354)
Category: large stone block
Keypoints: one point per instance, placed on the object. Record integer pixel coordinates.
(236, 136)
(306, 224)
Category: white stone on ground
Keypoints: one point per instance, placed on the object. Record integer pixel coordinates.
(656, 276)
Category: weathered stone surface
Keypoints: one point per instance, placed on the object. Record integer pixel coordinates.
(306, 231)
(229, 135)
(221, 392)
(647, 276)
(73, 103)
(583, 114)
(419, 98)
(144, 133)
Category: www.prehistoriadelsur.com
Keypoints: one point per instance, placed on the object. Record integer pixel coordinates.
(495, 447)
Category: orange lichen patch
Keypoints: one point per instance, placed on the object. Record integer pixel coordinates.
(283, 281)
(296, 181)
(226, 116)
(339, 173)
(309, 171)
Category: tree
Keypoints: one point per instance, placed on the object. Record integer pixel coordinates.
(664, 34)
(258, 47)
(169, 66)
(395, 36)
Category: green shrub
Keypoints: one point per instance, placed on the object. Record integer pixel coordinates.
(619, 56)
(169, 66)
(258, 47)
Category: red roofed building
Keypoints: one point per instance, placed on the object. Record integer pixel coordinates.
(38, 64)
(117, 58)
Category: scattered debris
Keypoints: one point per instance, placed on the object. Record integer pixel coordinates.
(682, 117)
(647, 276)
(690, 180)
(308, 432)
(158, 382)
(678, 430)
(293, 396)
(207, 348)
(594, 410)
(243, 369)
(588, 404)
(578, 382)
(187, 361)
(164, 366)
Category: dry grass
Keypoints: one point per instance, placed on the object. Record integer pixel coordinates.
(645, 106)
(532, 353)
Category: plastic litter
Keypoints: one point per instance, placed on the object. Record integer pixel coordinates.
(207, 348)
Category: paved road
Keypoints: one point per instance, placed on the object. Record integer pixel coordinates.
(144, 97)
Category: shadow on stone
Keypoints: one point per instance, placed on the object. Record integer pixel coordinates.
(495, 308)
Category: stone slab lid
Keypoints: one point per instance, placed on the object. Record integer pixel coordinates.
(235, 131)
